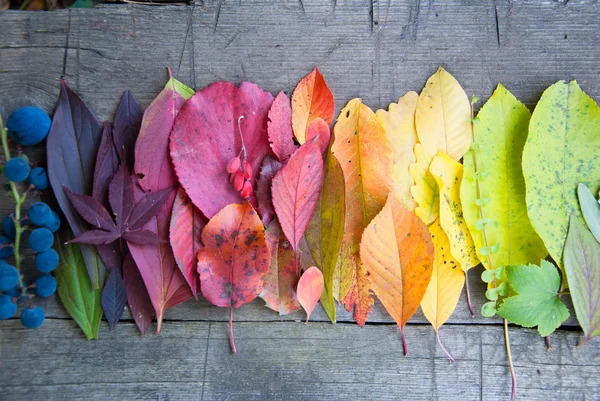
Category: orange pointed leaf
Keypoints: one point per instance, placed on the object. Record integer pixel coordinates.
(397, 251)
(311, 99)
(310, 287)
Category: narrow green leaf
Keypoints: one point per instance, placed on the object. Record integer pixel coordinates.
(561, 152)
(537, 302)
(582, 266)
(75, 289)
(590, 209)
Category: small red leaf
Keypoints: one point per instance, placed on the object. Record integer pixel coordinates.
(270, 167)
(310, 288)
(318, 129)
(296, 189)
(279, 128)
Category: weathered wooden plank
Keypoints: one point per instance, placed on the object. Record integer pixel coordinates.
(290, 361)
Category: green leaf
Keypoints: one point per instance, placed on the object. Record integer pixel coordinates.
(487, 276)
(590, 209)
(75, 289)
(488, 309)
(537, 302)
(501, 136)
(582, 266)
(561, 152)
(83, 4)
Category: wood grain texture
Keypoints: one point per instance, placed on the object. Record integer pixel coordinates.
(376, 50)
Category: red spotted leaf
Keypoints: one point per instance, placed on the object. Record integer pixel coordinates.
(210, 131)
(279, 289)
(296, 188)
(318, 129)
(185, 235)
(310, 288)
(234, 258)
(265, 209)
(279, 128)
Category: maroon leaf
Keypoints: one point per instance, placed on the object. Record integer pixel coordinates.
(120, 196)
(185, 234)
(91, 210)
(265, 209)
(114, 298)
(107, 162)
(71, 147)
(279, 128)
(142, 237)
(111, 255)
(296, 189)
(137, 295)
(128, 120)
(208, 133)
(95, 237)
(149, 206)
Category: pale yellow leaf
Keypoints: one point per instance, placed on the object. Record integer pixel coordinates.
(425, 191)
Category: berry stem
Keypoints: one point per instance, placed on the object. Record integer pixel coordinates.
(19, 200)
(243, 151)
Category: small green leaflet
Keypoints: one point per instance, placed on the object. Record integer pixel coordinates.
(582, 265)
(590, 209)
(560, 153)
(75, 290)
(537, 302)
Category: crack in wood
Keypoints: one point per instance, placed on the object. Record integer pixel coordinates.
(217, 15)
(497, 25)
(64, 69)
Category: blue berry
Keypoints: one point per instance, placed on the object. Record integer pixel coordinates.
(9, 277)
(7, 307)
(46, 261)
(8, 227)
(38, 178)
(16, 169)
(28, 125)
(32, 317)
(53, 224)
(40, 239)
(45, 285)
(6, 250)
(13, 292)
(39, 213)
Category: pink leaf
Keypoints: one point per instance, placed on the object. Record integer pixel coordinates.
(310, 287)
(319, 129)
(269, 168)
(279, 127)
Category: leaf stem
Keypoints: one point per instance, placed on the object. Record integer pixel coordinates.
(231, 337)
(547, 342)
(510, 362)
(437, 337)
(468, 294)
(404, 346)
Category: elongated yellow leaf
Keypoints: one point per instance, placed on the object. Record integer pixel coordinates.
(399, 124)
(364, 153)
(425, 191)
(446, 283)
(443, 116)
(448, 175)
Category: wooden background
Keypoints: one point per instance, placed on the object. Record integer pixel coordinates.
(377, 50)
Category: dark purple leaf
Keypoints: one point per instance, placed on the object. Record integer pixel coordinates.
(107, 162)
(137, 295)
(265, 209)
(148, 207)
(71, 146)
(114, 298)
(91, 210)
(111, 255)
(142, 237)
(95, 237)
(128, 120)
(120, 196)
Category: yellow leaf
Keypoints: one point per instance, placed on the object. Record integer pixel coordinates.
(443, 116)
(425, 191)
(364, 153)
(399, 124)
(448, 175)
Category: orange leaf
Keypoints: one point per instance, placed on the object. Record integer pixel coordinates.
(362, 148)
(310, 287)
(397, 251)
(311, 99)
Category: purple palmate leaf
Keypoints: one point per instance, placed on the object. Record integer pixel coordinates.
(91, 211)
(142, 237)
(120, 196)
(148, 207)
(95, 237)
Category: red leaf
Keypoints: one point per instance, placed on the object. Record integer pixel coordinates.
(164, 282)
(279, 289)
(234, 258)
(310, 288)
(269, 168)
(279, 128)
(319, 129)
(91, 210)
(185, 235)
(206, 137)
(296, 189)
(137, 295)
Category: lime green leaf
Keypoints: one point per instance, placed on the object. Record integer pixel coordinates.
(488, 309)
(75, 290)
(561, 152)
(590, 209)
(582, 266)
(537, 302)
(499, 206)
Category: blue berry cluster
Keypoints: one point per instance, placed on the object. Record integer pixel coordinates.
(27, 126)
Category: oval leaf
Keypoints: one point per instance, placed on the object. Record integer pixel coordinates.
(279, 128)
(318, 131)
(425, 191)
(311, 99)
(590, 209)
(310, 288)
